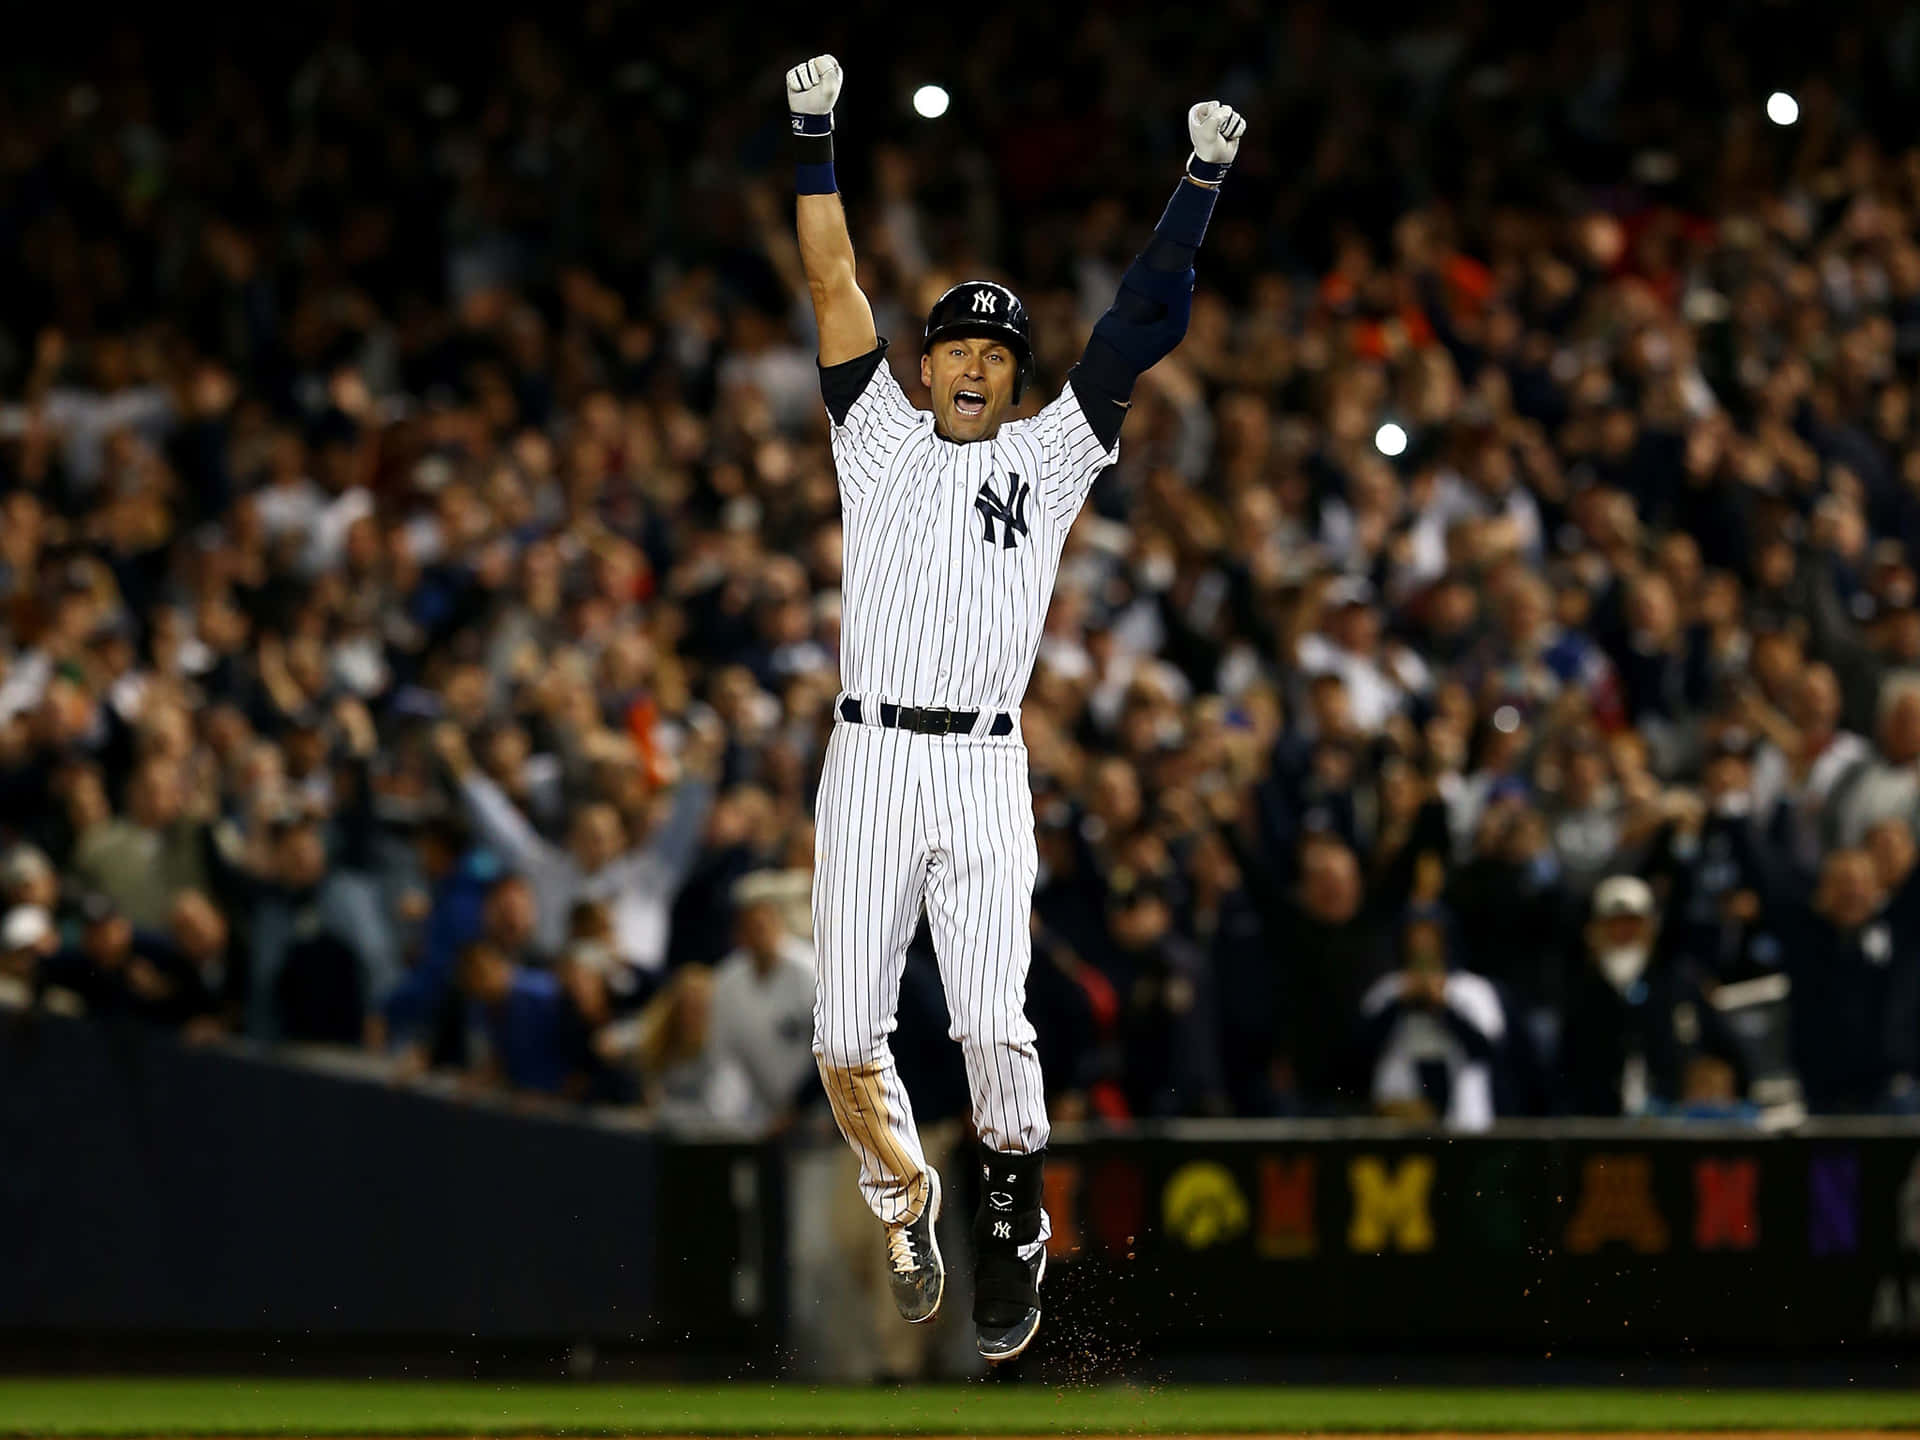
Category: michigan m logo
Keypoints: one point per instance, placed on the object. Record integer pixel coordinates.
(1390, 1209)
(1012, 513)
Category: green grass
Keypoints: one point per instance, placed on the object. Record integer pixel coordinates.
(368, 1408)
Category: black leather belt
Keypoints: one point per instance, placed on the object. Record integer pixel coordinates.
(924, 722)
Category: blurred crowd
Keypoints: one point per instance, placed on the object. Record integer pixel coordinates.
(1488, 683)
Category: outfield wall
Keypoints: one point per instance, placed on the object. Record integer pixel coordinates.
(166, 1198)
(160, 1202)
(1586, 1236)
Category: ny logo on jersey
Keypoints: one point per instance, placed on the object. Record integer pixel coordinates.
(985, 302)
(1011, 513)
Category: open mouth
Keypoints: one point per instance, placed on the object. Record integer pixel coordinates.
(970, 402)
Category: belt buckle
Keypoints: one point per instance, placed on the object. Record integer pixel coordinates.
(945, 722)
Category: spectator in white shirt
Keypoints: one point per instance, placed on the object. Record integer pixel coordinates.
(1380, 677)
(1433, 1036)
(763, 998)
(600, 861)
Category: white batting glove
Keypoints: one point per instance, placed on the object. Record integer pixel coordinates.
(1215, 130)
(812, 89)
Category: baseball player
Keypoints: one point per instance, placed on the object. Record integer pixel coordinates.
(954, 522)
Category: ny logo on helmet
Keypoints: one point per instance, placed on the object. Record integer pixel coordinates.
(985, 302)
(1011, 512)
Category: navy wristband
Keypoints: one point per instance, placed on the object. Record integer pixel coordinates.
(1206, 171)
(815, 179)
(813, 157)
(811, 124)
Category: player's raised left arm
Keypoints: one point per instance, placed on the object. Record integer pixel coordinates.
(1148, 318)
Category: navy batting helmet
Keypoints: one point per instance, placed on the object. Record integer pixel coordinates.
(982, 308)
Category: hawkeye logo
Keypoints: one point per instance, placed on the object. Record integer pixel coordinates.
(1011, 512)
(1203, 1205)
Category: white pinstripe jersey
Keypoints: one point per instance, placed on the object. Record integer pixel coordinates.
(951, 550)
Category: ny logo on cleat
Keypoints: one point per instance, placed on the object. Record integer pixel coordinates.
(985, 302)
(1011, 513)
(1002, 1230)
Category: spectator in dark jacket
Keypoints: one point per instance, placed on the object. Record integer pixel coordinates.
(1328, 948)
(1227, 921)
(210, 980)
(322, 962)
(1723, 868)
(703, 912)
(1633, 1021)
(1512, 905)
(1067, 1003)
(1895, 853)
(536, 1037)
(116, 970)
(1663, 669)
(459, 876)
(1068, 895)
(1167, 1005)
(1856, 994)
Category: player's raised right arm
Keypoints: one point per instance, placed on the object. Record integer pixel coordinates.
(844, 317)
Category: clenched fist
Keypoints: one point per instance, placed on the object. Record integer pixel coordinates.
(1215, 130)
(812, 89)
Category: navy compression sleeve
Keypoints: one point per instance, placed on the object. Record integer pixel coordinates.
(1148, 318)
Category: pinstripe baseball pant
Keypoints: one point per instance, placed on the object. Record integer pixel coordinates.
(902, 821)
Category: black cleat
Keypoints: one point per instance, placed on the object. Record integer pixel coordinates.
(1006, 1288)
(917, 1273)
(1006, 1306)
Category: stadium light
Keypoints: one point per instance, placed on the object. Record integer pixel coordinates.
(930, 102)
(1782, 108)
(1390, 440)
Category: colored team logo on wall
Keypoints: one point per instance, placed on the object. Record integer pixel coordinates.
(1833, 1203)
(1116, 1205)
(1493, 1211)
(1726, 1204)
(1391, 1210)
(1616, 1206)
(1286, 1207)
(1203, 1205)
(1061, 1185)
